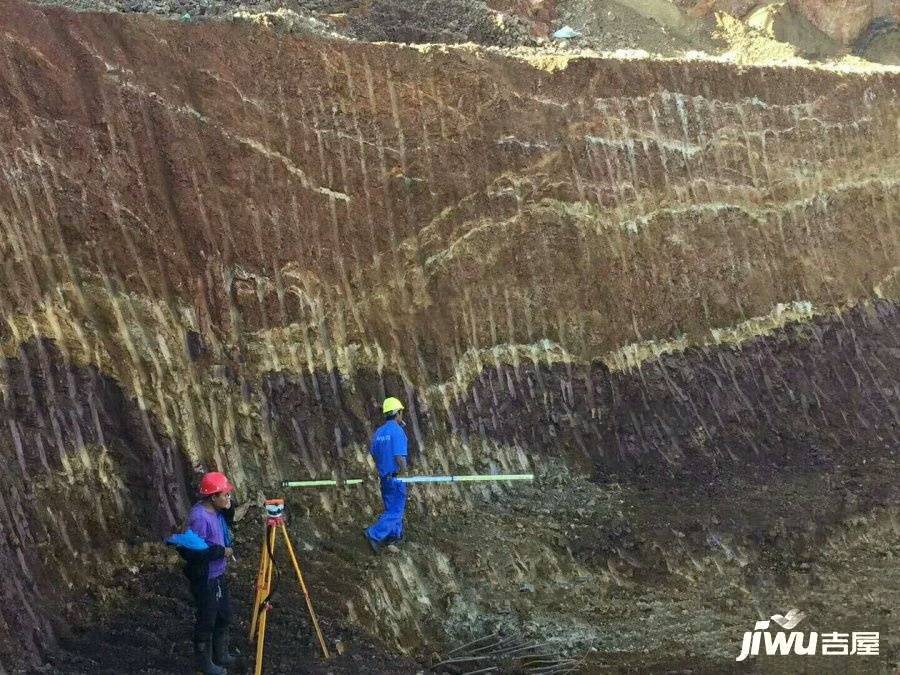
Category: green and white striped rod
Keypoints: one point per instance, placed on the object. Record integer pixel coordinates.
(465, 479)
(412, 479)
(320, 483)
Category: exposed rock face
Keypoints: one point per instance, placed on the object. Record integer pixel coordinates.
(844, 20)
(222, 247)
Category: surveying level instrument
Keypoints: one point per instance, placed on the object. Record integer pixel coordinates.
(275, 509)
(264, 586)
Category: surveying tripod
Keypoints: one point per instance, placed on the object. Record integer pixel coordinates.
(264, 587)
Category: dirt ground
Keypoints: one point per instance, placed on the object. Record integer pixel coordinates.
(642, 618)
(145, 627)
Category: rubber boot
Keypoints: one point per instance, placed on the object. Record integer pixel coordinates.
(202, 657)
(220, 649)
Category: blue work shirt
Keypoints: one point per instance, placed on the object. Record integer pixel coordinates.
(389, 441)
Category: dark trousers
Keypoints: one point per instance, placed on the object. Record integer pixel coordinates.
(213, 609)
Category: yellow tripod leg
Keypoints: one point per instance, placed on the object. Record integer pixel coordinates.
(261, 642)
(266, 568)
(262, 586)
(312, 612)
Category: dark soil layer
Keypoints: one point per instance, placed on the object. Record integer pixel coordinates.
(808, 399)
(127, 484)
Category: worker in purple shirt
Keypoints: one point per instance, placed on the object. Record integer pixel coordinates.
(389, 450)
(206, 548)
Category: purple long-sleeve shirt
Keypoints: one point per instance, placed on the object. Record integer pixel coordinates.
(208, 525)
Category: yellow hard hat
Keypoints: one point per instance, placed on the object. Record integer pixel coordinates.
(391, 405)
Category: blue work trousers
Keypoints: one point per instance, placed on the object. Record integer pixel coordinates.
(390, 525)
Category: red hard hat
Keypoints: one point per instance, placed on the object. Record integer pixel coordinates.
(215, 482)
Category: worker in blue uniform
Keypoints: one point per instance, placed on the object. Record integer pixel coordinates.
(389, 450)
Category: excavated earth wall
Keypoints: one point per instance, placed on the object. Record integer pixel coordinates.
(222, 247)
